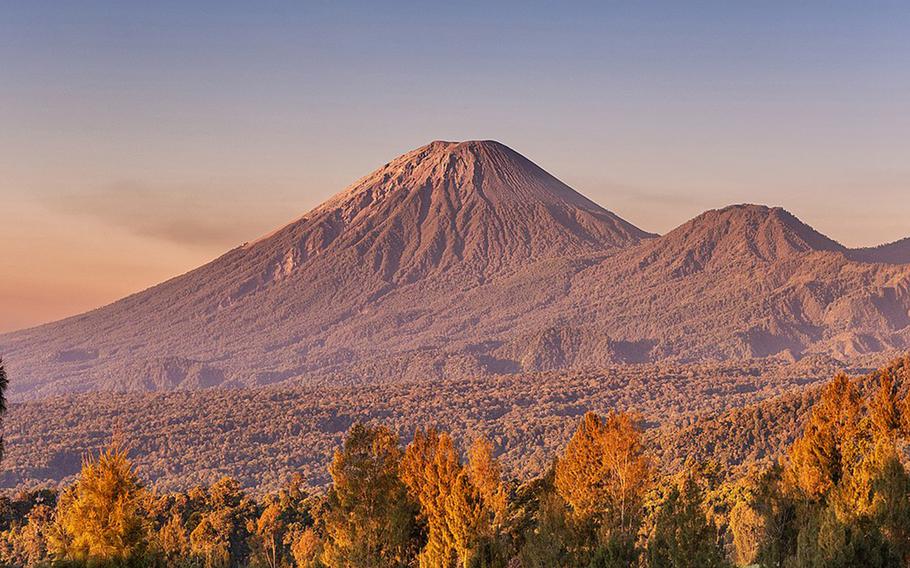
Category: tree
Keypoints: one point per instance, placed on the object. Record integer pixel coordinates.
(604, 475)
(100, 516)
(885, 408)
(827, 541)
(485, 474)
(210, 541)
(269, 531)
(370, 519)
(306, 548)
(27, 544)
(778, 513)
(851, 494)
(828, 447)
(173, 541)
(552, 540)
(682, 536)
(748, 529)
(225, 514)
(464, 507)
(283, 518)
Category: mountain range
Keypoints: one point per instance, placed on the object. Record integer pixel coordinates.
(467, 259)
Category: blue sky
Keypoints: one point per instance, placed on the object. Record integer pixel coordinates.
(149, 137)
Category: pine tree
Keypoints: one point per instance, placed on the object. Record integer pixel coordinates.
(778, 513)
(553, 540)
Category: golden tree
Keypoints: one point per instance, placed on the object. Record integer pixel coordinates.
(485, 474)
(269, 530)
(100, 516)
(370, 519)
(210, 541)
(173, 540)
(829, 445)
(27, 544)
(464, 507)
(605, 472)
(430, 469)
(884, 407)
(306, 548)
(748, 529)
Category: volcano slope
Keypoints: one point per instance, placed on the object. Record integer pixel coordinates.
(467, 260)
(389, 266)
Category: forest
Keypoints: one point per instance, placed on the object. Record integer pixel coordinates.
(839, 496)
(261, 436)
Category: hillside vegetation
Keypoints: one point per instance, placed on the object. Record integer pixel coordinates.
(840, 496)
(260, 436)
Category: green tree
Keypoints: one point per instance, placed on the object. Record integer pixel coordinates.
(778, 513)
(682, 536)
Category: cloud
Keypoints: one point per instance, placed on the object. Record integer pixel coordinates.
(186, 215)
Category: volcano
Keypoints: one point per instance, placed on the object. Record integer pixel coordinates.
(429, 226)
(466, 259)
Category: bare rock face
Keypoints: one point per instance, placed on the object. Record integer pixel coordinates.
(466, 259)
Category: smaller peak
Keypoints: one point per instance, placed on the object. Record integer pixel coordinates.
(745, 230)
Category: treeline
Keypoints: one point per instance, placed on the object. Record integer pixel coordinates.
(840, 497)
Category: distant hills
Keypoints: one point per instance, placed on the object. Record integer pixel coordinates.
(465, 260)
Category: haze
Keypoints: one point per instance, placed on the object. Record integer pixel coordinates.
(138, 143)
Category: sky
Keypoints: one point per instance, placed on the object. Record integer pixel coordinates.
(140, 140)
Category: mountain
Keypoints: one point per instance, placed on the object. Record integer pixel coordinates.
(752, 281)
(897, 252)
(735, 235)
(379, 258)
(467, 260)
